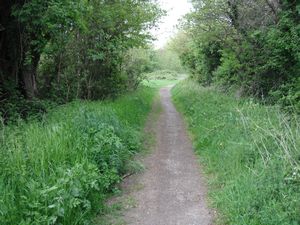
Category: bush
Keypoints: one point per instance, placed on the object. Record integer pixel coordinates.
(61, 169)
(136, 63)
(288, 95)
(251, 48)
(15, 107)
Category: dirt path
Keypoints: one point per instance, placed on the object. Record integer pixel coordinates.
(172, 191)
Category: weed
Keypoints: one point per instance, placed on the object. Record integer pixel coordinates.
(61, 169)
(252, 152)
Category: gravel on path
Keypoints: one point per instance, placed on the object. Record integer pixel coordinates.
(173, 188)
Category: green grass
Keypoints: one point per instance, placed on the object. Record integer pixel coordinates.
(163, 75)
(162, 78)
(250, 152)
(60, 170)
(159, 83)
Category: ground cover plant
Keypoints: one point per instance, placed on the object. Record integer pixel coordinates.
(59, 170)
(250, 152)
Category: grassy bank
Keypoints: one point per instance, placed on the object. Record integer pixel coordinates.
(60, 170)
(162, 78)
(160, 83)
(251, 153)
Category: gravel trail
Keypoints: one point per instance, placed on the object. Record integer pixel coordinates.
(173, 191)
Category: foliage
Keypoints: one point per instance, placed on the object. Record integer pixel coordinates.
(250, 151)
(163, 75)
(112, 29)
(250, 44)
(61, 50)
(15, 107)
(59, 170)
(150, 64)
(135, 64)
(167, 59)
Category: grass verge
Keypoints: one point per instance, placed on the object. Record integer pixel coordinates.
(163, 75)
(251, 153)
(60, 170)
(159, 83)
(122, 201)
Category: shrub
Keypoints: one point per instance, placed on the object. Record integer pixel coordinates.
(60, 170)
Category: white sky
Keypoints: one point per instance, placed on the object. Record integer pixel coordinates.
(175, 10)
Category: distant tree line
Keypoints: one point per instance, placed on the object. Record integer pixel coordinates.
(253, 45)
(59, 50)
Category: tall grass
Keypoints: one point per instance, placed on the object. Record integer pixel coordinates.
(60, 170)
(251, 151)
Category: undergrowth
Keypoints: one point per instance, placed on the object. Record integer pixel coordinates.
(251, 153)
(59, 170)
(163, 75)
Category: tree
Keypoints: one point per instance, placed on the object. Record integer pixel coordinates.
(65, 49)
(250, 44)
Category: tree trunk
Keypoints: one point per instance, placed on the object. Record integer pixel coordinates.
(28, 71)
(13, 51)
(29, 81)
(7, 42)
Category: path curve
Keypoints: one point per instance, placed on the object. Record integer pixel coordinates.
(173, 190)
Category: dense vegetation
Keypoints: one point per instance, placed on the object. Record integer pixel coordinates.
(252, 46)
(163, 75)
(59, 170)
(251, 153)
(58, 167)
(149, 63)
(60, 50)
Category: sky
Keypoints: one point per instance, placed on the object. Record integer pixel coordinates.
(167, 28)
